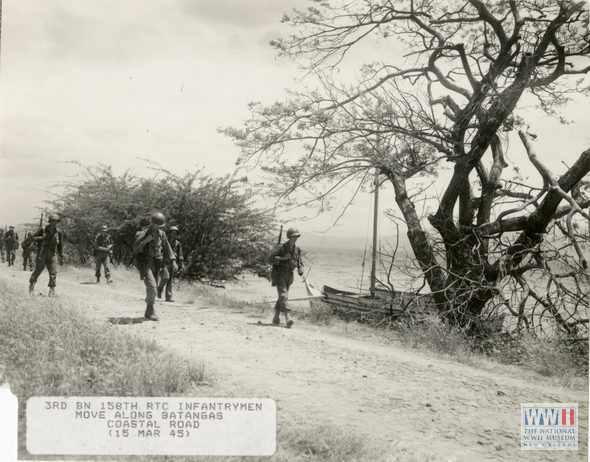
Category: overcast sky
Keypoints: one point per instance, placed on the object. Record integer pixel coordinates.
(117, 81)
(113, 82)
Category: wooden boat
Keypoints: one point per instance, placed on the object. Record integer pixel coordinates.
(396, 304)
(376, 300)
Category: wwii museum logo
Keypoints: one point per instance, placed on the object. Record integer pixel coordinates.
(549, 426)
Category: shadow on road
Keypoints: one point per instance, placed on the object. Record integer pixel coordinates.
(267, 324)
(127, 320)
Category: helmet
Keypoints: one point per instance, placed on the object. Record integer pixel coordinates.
(293, 232)
(158, 218)
(104, 228)
(53, 216)
(173, 228)
(11, 227)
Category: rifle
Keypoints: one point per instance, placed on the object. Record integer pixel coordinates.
(42, 246)
(280, 235)
(270, 257)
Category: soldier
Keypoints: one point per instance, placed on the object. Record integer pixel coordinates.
(29, 246)
(103, 244)
(49, 252)
(285, 258)
(168, 271)
(154, 251)
(11, 243)
(2, 245)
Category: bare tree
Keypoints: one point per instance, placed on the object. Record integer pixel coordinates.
(469, 67)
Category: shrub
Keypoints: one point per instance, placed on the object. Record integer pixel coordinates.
(222, 232)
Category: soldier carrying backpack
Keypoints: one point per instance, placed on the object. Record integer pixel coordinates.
(285, 258)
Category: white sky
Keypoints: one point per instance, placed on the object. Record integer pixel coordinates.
(113, 82)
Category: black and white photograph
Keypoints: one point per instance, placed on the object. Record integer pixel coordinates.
(294, 230)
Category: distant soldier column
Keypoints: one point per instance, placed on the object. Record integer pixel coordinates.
(11, 243)
(29, 246)
(49, 252)
(103, 245)
(168, 271)
(2, 245)
(154, 252)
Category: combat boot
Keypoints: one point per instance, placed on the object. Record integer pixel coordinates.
(31, 288)
(276, 319)
(150, 313)
(109, 281)
(98, 279)
(51, 292)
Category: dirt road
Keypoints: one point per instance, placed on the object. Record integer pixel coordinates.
(453, 410)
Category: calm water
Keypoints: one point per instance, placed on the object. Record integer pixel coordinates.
(340, 268)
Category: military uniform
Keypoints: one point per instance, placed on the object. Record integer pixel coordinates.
(167, 275)
(49, 248)
(29, 246)
(103, 245)
(285, 258)
(11, 243)
(2, 245)
(154, 253)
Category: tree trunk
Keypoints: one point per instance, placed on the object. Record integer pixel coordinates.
(423, 250)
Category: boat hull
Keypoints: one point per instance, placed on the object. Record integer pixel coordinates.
(397, 304)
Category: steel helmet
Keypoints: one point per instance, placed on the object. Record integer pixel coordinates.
(53, 216)
(293, 232)
(104, 228)
(158, 218)
(174, 228)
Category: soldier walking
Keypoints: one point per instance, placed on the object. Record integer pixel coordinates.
(2, 245)
(29, 246)
(11, 243)
(49, 252)
(168, 270)
(154, 252)
(285, 258)
(103, 245)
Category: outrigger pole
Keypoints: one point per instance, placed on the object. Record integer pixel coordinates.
(375, 224)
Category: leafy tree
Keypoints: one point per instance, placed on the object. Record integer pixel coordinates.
(222, 233)
(469, 67)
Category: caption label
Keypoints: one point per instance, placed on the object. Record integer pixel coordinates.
(158, 426)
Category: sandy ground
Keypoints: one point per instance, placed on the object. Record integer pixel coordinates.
(452, 410)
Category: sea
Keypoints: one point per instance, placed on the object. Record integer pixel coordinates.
(346, 269)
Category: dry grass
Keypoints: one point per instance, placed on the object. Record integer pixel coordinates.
(549, 360)
(51, 348)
